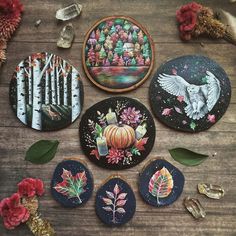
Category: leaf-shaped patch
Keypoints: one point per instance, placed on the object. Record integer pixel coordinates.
(107, 208)
(187, 157)
(110, 194)
(107, 201)
(139, 144)
(122, 196)
(72, 186)
(161, 184)
(120, 210)
(42, 151)
(116, 189)
(121, 202)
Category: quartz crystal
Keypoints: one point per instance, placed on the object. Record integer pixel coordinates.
(69, 12)
(66, 36)
(211, 191)
(194, 207)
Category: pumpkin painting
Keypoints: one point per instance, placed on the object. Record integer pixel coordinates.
(119, 136)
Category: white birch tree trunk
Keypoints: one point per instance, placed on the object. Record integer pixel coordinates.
(58, 83)
(37, 93)
(30, 81)
(37, 97)
(53, 86)
(75, 95)
(65, 97)
(47, 93)
(21, 101)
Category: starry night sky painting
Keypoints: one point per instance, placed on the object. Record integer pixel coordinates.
(117, 54)
(190, 93)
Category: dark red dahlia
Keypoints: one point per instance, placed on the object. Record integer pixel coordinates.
(115, 155)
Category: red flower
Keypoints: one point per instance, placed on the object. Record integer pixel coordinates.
(13, 212)
(11, 6)
(187, 18)
(30, 187)
(115, 155)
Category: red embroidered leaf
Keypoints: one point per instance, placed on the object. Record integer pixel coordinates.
(121, 202)
(122, 196)
(72, 186)
(107, 201)
(95, 153)
(120, 210)
(116, 189)
(107, 208)
(110, 194)
(139, 144)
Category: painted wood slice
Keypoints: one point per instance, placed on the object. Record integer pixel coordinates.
(190, 93)
(72, 183)
(117, 133)
(115, 202)
(46, 92)
(118, 54)
(160, 183)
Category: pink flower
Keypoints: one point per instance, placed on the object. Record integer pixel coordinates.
(13, 212)
(174, 71)
(167, 111)
(115, 155)
(30, 187)
(211, 118)
(180, 98)
(130, 116)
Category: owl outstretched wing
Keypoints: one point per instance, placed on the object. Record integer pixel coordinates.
(174, 84)
(211, 90)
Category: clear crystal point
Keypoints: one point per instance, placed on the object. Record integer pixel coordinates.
(66, 36)
(69, 12)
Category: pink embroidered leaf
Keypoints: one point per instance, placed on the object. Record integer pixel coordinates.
(122, 196)
(110, 195)
(120, 210)
(139, 144)
(116, 189)
(107, 201)
(121, 202)
(177, 109)
(161, 184)
(107, 208)
(72, 186)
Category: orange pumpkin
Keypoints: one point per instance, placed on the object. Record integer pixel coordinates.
(119, 136)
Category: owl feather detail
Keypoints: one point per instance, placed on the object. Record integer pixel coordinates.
(199, 99)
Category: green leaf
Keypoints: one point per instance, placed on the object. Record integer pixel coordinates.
(187, 157)
(98, 129)
(42, 151)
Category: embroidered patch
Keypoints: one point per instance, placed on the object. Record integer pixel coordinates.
(72, 183)
(46, 92)
(117, 133)
(118, 54)
(160, 183)
(115, 202)
(190, 93)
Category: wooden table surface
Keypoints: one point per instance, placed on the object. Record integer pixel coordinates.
(159, 19)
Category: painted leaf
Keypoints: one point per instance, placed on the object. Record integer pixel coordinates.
(42, 151)
(72, 186)
(95, 153)
(116, 189)
(121, 202)
(161, 184)
(107, 208)
(98, 129)
(120, 210)
(140, 144)
(107, 201)
(110, 194)
(187, 157)
(122, 196)
(177, 109)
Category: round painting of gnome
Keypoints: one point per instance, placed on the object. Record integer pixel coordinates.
(190, 93)
(117, 133)
(118, 54)
(46, 92)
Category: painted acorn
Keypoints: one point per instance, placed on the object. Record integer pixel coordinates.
(119, 136)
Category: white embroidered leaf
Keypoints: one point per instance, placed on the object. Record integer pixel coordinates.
(107, 201)
(110, 194)
(120, 210)
(107, 208)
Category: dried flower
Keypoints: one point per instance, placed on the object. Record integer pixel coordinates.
(115, 155)
(13, 212)
(130, 116)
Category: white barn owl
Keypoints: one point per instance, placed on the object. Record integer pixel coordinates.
(199, 99)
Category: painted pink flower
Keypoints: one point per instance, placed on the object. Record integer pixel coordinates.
(211, 118)
(130, 116)
(115, 155)
(167, 111)
(180, 98)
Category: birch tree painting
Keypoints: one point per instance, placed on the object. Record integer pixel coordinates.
(46, 92)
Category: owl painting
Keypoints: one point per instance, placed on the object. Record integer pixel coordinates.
(199, 99)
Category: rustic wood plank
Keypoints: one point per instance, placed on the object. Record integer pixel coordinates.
(159, 19)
